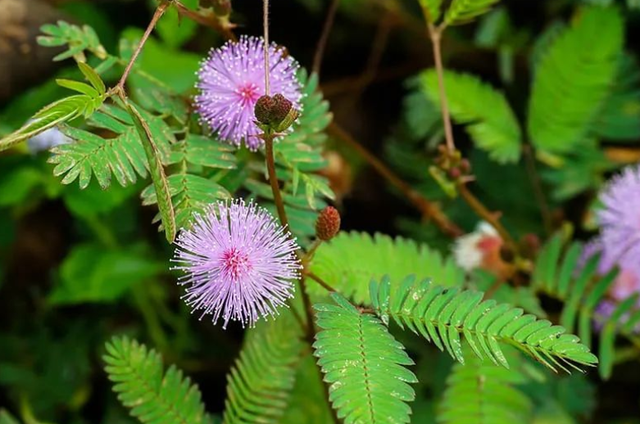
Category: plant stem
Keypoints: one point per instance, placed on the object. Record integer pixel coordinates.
(273, 179)
(324, 36)
(436, 38)
(537, 188)
(265, 24)
(162, 7)
(486, 215)
(320, 281)
(429, 210)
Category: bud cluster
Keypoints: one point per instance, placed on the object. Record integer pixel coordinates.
(276, 113)
(455, 166)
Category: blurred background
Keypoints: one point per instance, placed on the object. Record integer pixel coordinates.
(78, 266)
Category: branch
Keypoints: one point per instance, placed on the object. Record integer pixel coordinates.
(429, 210)
(162, 7)
(210, 21)
(324, 36)
(436, 38)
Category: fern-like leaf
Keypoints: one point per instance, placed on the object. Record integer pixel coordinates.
(259, 385)
(442, 315)
(364, 365)
(153, 396)
(490, 120)
(481, 393)
(563, 275)
(351, 260)
(122, 156)
(572, 82)
(463, 11)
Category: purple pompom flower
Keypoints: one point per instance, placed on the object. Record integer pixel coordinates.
(238, 262)
(231, 80)
(620, 219)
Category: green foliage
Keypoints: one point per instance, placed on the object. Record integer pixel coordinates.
(78, 39)
(91, 273)
(442, 314)
(152, 395)
(489, 119)
(463, 11)
(351, 260)
(432, 8)
(364, 365)
(563, 276)
(481, 393)
(259, 386)
(64, 110)
(620, 115)
(159, 178)
(122, 156)
(565, 98)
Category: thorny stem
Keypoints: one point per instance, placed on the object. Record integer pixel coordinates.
(162, 7)
(429, 210)
(324, 36)
(436, 37)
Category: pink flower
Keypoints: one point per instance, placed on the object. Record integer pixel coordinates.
(231, 80)
(238, 263)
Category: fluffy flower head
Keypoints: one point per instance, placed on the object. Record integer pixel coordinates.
(620, 219)
(46, 140)
(238, 262)
(231, 80)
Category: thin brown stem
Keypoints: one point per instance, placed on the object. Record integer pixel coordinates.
(210, 21)
(429, 210)
(162, 7)
(265, 25)
(537, 188)
(324, 36)
(273, 179)
(320, 281)
(436, 38)
(486, 214)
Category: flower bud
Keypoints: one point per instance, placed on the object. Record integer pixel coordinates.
(263, 108)
(328, 223)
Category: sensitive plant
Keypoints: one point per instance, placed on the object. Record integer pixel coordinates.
(229, 156)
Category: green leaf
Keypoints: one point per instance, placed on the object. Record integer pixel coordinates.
(463, 11)
(54, 114)
(481, 393)
(93, 77)
(204, 151)
(260, 384)
(190, 194)
(77, 38)
(173, 29)
(425, 307)
(432, 8)
(574, 279)
(620, 115)
(91, 273)
(364, 365)
(153, 396)
(160, 184)
(489, 119)
(571, 82)
(351, 260)
(7, 418)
